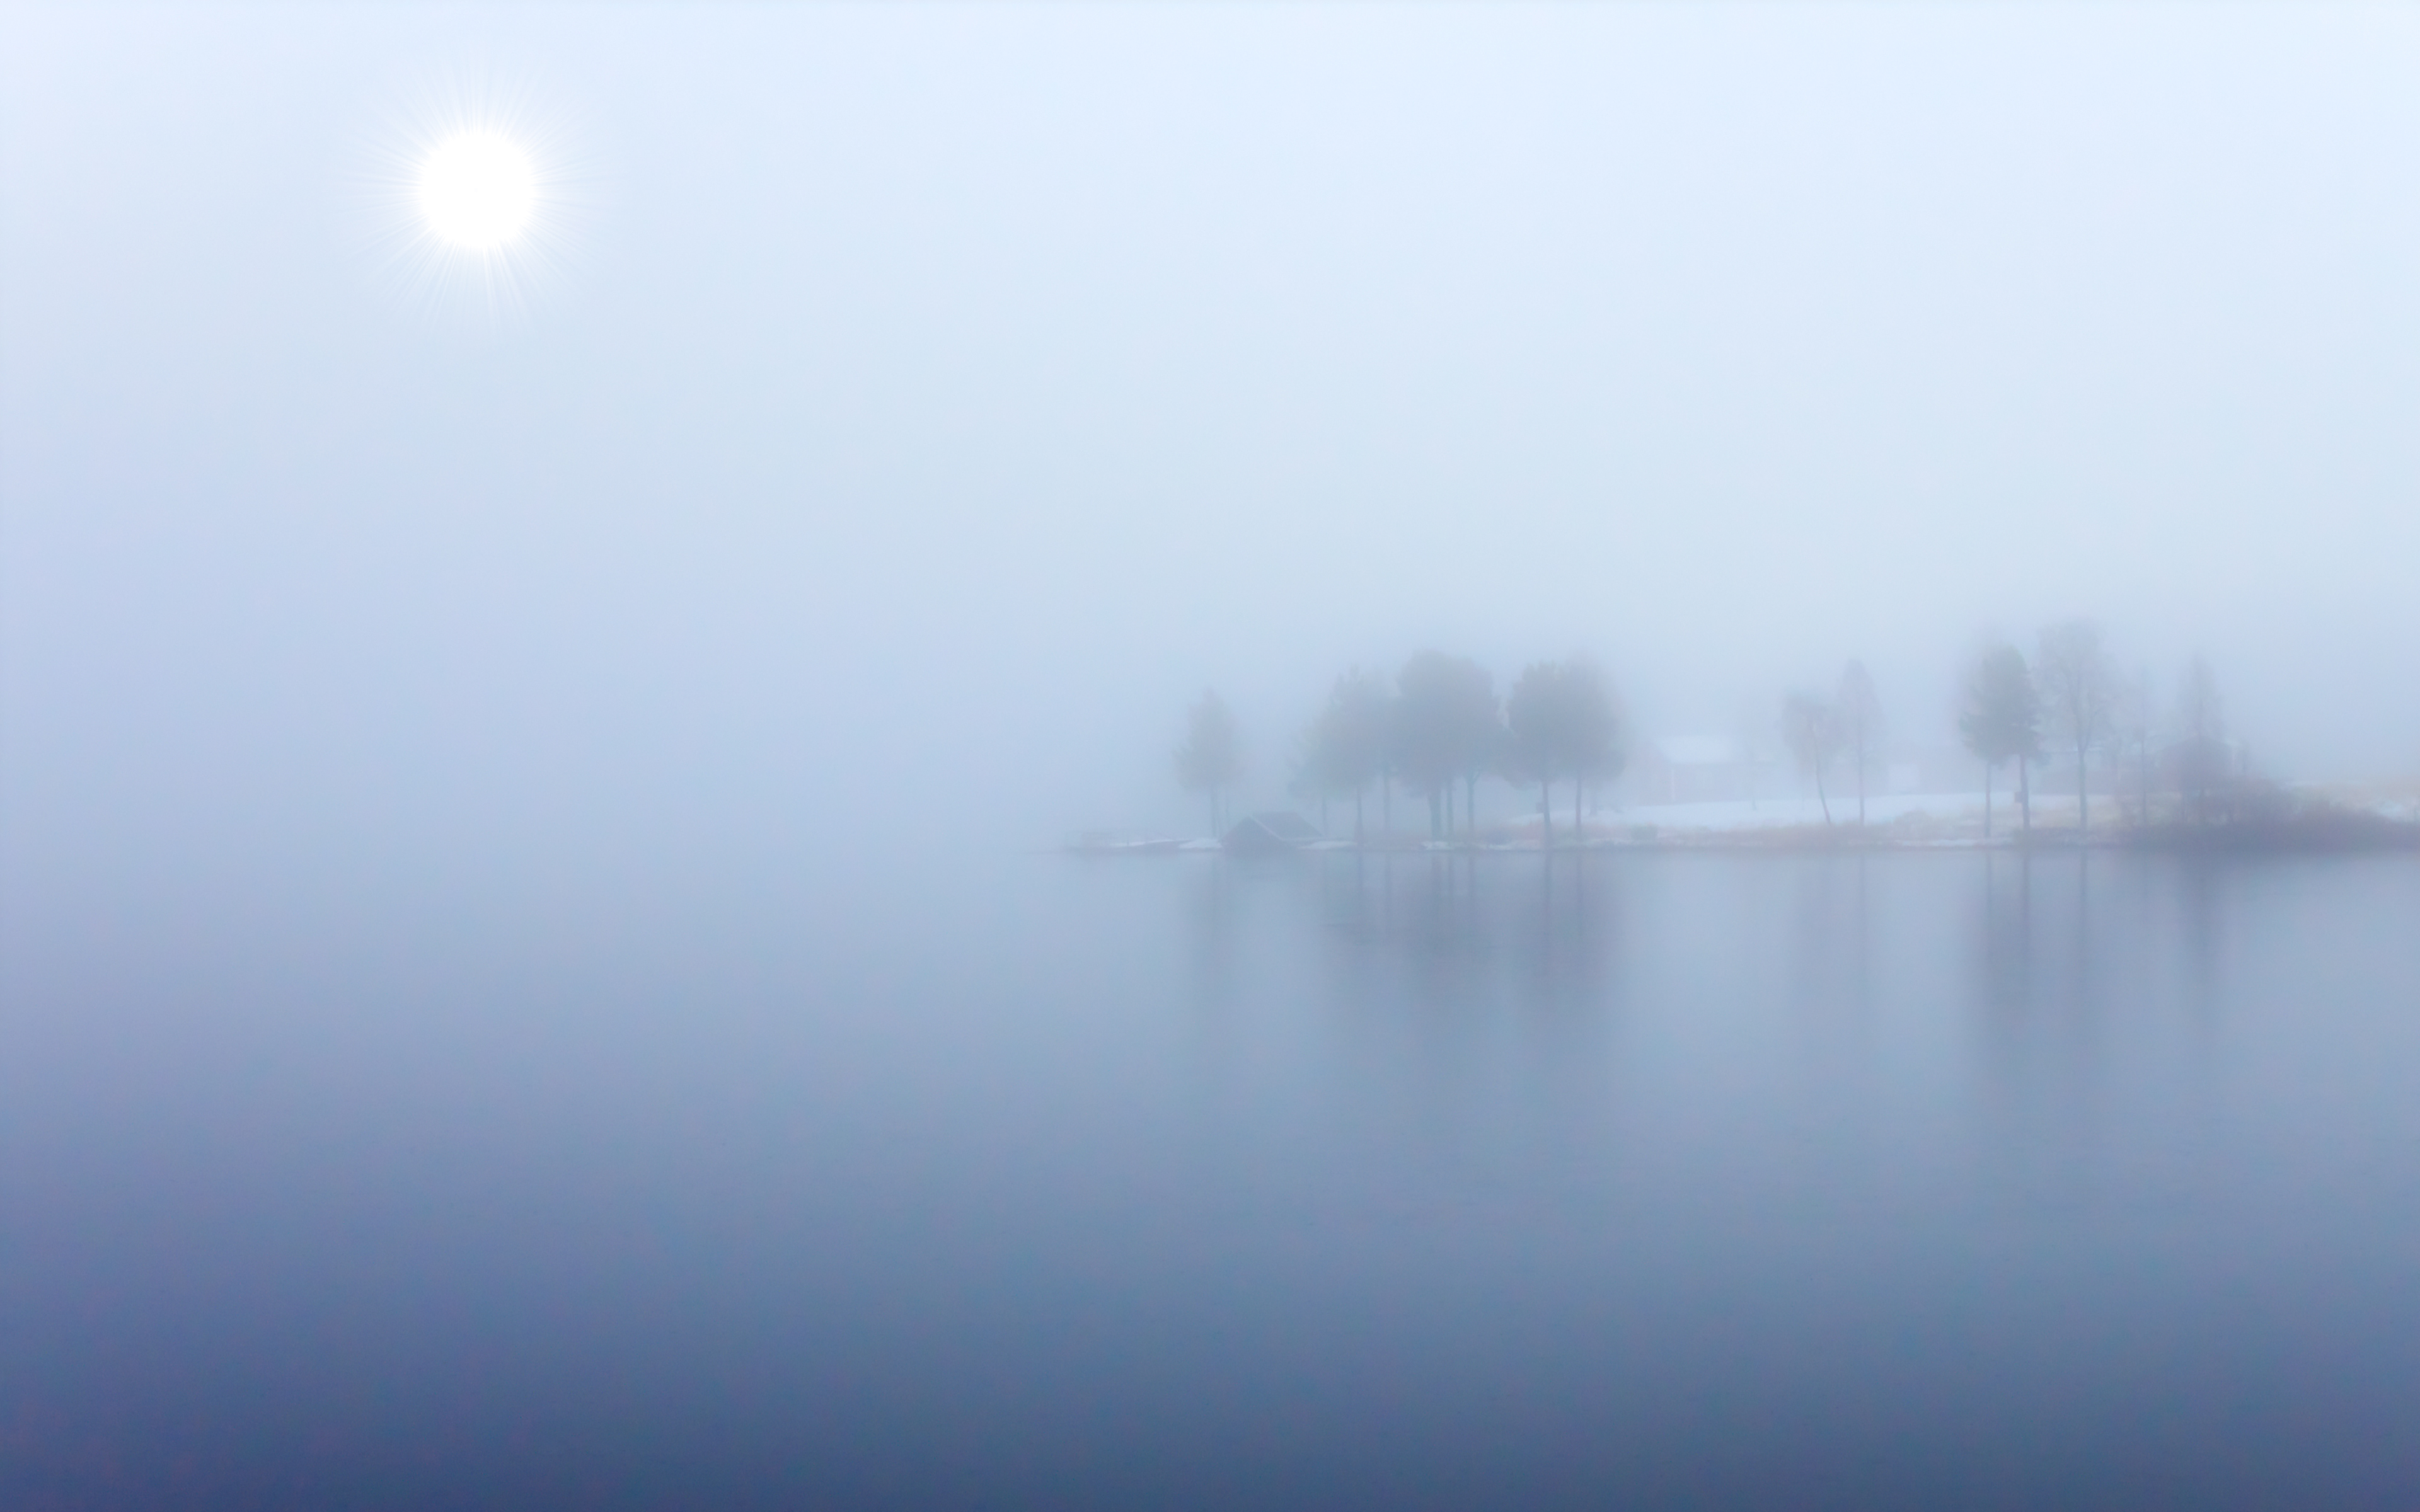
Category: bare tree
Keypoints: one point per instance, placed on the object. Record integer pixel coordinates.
(1999, 716)
(2132, 721)
(1811, 729)
(1859, 714)
(2073, 670)
(2202, 752)
(1212, 756)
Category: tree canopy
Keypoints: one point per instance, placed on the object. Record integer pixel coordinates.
(1446, 724)
(1561, 719)
(1999, 715)
(1213, 753)
(1999, 718)
(1346, 747)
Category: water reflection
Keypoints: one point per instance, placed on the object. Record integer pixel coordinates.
(2095, 979)
(1441, 904)
(1885, 1028)
(1634, 1177)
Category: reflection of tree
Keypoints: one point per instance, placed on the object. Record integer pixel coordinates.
(2085, 986)
(1212, 933)
(2204, 928)
(1446, 928)
(1575, 928)
(2007, 934)
(1830, 942)
(2053, 1033)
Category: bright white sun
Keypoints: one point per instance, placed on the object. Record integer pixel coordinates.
(477, 191)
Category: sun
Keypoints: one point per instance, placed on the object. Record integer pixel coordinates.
(476, 198)
(478, 190)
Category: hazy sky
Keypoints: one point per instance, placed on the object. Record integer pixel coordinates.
(922, 403)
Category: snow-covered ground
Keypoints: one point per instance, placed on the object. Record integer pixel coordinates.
(1782, 813)
(1789, 813)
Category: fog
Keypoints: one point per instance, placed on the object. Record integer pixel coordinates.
(536, 961)
(925, 403)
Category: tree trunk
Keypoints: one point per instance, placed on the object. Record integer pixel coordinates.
(1987, 800)
(1546, 811)
(1449, 808)
(2026, 792)
(1820, 796)
(1470, 805)
(1861, 786)
(2083, 792)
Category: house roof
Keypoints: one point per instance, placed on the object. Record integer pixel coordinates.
(1272, 827)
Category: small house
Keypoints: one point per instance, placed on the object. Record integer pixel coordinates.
(1691, 769)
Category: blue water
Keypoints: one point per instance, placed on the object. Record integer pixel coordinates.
(1648, 1179)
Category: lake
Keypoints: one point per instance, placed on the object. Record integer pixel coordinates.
(1650, 1179)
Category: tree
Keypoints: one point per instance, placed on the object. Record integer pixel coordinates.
(1597, 748)
(2074, 673)
(1446, 727)
(1562, 718)
(2201, 753)
(1484, 754)
(1534, 740)
(2132, 719)
(1477, 725)
(1999, 716)
(1308, 782)
(1811, 729)
(1346, 747)
(1213, 754)
(1860, 717)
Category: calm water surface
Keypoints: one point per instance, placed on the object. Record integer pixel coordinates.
(1641, 1179)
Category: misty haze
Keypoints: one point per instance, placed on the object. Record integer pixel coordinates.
(1302, 756)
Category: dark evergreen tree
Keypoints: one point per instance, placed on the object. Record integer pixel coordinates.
(1999, 716)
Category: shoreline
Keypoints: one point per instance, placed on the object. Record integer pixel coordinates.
(2323, 831)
